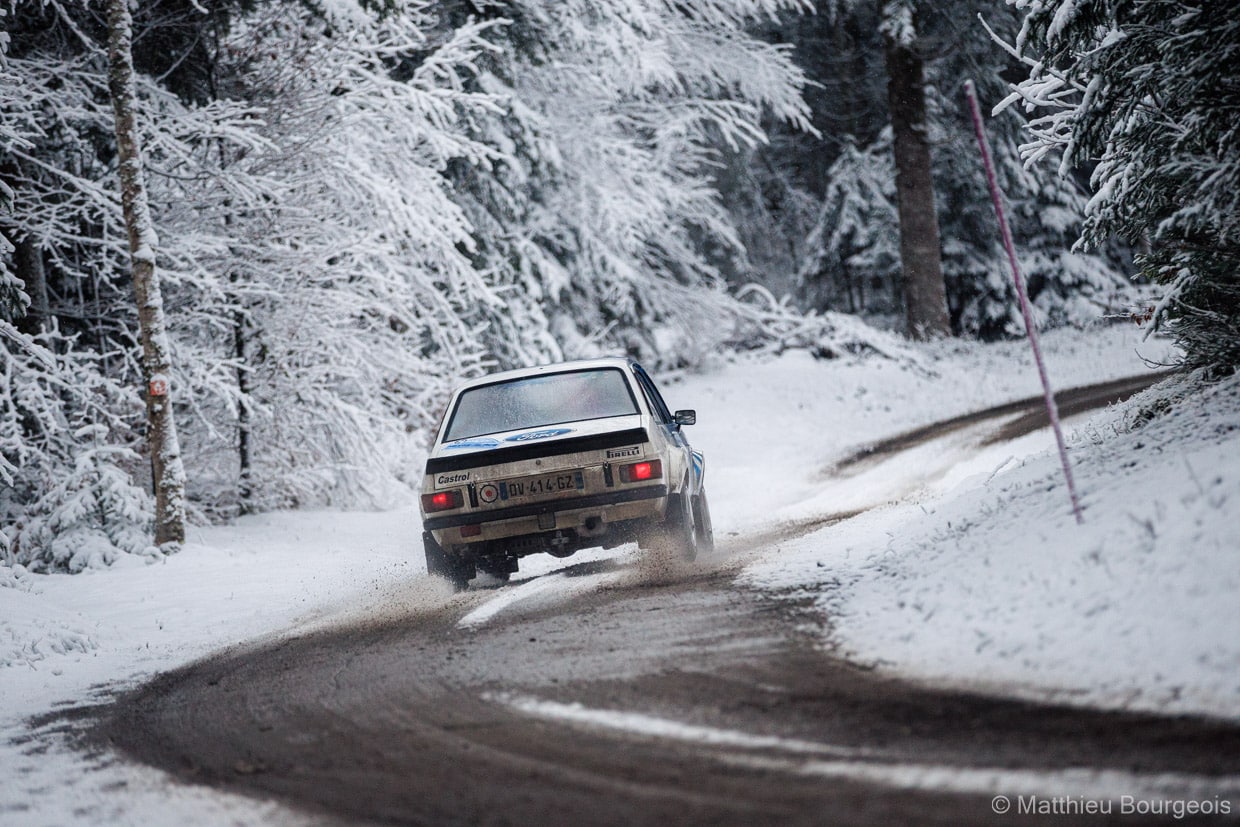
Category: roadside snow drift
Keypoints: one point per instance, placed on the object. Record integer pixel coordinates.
(997, 588)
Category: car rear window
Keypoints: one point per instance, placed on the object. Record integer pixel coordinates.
(535, 401)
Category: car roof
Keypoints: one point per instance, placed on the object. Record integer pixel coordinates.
(621, 362)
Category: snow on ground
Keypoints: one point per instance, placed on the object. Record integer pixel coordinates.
(64, 639)
(970, 571)
(772, 431)
(996, 587)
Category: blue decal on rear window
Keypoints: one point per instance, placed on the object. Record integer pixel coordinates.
(471, 443)
(543, 434)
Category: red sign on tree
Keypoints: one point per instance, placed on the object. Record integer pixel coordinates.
(158, 385)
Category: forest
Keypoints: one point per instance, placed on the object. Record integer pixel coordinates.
(338, 209)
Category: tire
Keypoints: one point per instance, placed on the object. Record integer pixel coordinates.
(679, 535)
(441, 564)
(701, 520)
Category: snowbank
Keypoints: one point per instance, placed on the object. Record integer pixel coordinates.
(65, 639)
(996, 588)
(773, 430)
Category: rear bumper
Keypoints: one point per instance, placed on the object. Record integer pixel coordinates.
(646, 502)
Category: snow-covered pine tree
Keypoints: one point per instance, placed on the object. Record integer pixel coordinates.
(315, 228)
(68, 501)
(305, 199)
(1068, 288)
(775, 191)
(1045, 211)
(608, 225)
(855, 265)
(1145, 94)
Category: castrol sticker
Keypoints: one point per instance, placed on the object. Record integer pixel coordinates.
(451, 479)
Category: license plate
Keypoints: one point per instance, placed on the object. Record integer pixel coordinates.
(548, 485)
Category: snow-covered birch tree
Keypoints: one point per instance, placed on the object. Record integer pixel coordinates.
(69, 408)
(161, 434)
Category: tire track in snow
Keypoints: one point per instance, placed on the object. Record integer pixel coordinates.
(875, 766)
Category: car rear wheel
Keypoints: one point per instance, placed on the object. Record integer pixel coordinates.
(701, 521)
(679, 535)
(441, 564)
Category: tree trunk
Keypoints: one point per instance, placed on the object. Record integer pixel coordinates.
(28, 262)
(245, 484)
(925, 296)
(166, 466)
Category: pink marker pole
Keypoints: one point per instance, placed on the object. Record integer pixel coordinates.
(997, 198)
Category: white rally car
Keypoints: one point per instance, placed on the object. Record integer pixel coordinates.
(555, 459)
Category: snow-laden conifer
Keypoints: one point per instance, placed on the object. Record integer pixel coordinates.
(855, 238)
(68, 500)
(1067, 287)
(329, 300)
(1144, 96)
(607, 222)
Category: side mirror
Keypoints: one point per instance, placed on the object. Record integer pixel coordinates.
(685, 417)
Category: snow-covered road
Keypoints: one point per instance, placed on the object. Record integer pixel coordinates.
(613, 692)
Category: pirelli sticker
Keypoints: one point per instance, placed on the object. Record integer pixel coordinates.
(621, 453)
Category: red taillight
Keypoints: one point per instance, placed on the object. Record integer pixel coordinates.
(441, 501)
(641, 471)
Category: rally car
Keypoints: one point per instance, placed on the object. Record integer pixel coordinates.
(555, 459)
